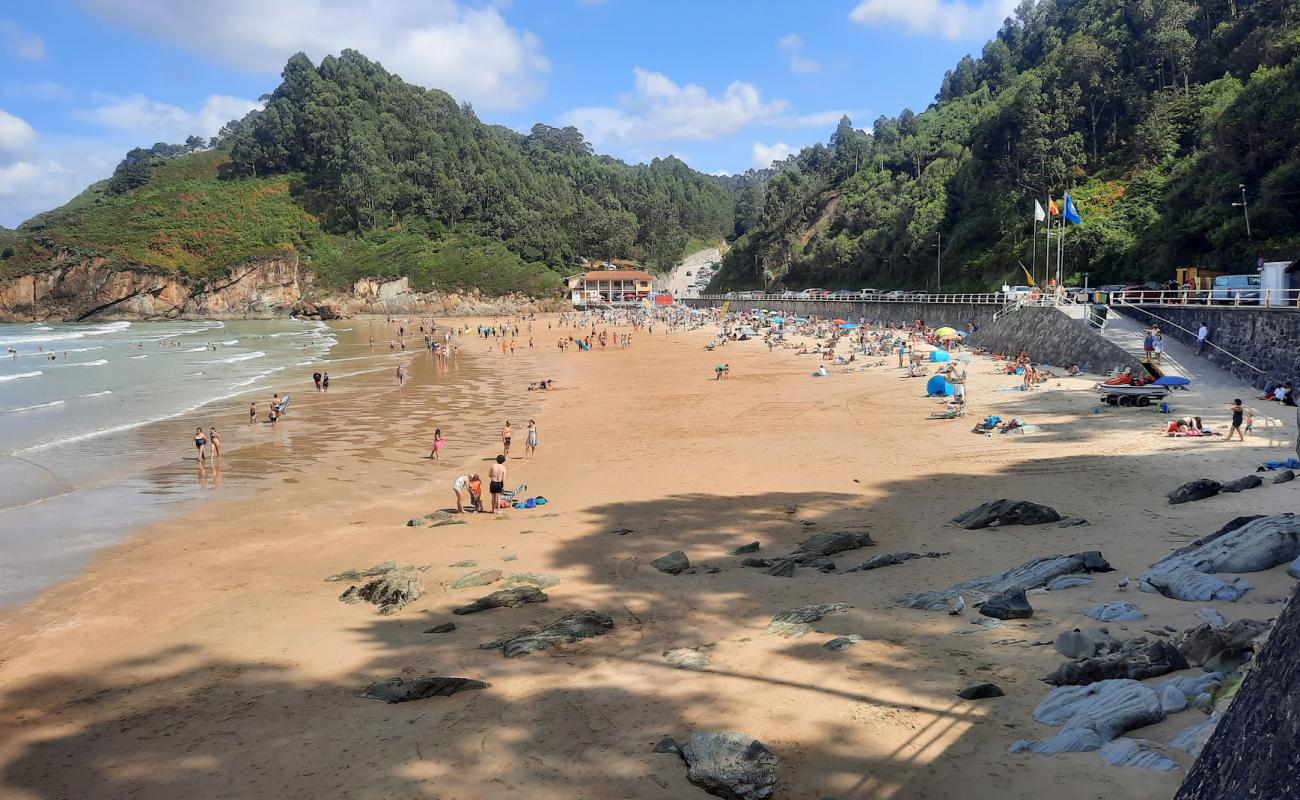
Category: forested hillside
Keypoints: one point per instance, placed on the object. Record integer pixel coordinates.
(361, 173)
(1150, 112)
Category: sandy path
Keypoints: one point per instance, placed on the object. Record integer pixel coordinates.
(207, 658)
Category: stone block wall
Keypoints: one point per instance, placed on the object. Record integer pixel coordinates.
(1052, 337)
(1268, 339)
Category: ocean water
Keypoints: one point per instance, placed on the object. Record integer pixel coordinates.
(87, 436)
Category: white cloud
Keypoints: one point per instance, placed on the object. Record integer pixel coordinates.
(21, 44)
(817, 119)
(658, 109)
(765, 154)
(165, 122)
(792, 46)
(16, 136)
(951, 19)
(471, 52)
(41, 90)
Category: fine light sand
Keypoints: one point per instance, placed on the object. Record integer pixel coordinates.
(206, 657)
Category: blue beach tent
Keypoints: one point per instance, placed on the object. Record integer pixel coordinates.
(938, 386)
(940, 355)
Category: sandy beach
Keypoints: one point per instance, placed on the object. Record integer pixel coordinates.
(206, 656)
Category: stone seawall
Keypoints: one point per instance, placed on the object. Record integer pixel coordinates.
(1265, 338)
(1052, 337)
(935, 315)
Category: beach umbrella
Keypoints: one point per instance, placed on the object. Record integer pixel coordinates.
(779, 320)
(838, 321)
(848, 326)
(946, 332)
(748, 332)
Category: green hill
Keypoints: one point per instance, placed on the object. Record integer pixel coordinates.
(1150, 113)
(362, 174)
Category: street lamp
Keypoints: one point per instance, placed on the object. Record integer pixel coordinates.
(1245, 209)
(938, 265)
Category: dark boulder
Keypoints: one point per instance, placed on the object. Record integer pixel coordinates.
(506, 598)
(1007, 512)
(762, 563)
(672, 564)
(1008, 605)
(444, 627)
(1285, 476)
(745, 549)
(401, 690)
(565, 630)
(1138, 659)
(1242, 484)
(730, 765)
(1086, 643)
(829, 543)
(392, 591)
(981, 691)
(1198, 489)
(1207, 643)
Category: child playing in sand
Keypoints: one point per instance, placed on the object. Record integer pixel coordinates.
(475, 493)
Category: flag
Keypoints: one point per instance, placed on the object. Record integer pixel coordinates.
(1052, 208)
(1028, 277)
(1039, 213)
(1071, 213)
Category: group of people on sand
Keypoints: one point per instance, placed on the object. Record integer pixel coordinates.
(471, 486)
(203, 441)
(1191, 426)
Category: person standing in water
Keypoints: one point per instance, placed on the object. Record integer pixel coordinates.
(201, 443)
(438, 443)
(215, 439)
(506, 434)
(325, 382)
(315, 376)
(497, 482)
(252, 413)
(530, 444)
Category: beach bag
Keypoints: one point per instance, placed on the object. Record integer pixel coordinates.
(541, 501)
(530, 503)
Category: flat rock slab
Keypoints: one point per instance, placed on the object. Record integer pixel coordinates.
(981, 691)
(828, 543)
(1073, 522)
(391, 591)
(1029, 575)
(536, 579)
(686, 658)
(1008, 605)
(745, 549)
(442, 627)
(362, 574)
(1254, 545)
(1137, 659)
(1192, 491)
(730, 765)
(672, 564)
(1115, 611)
(1126, 752)
(891, 559)
(401, 690)
(565, 630)
(480, 577)
(1007, 512)
(505, 598)
(436, 519)
(794, 622)
(1068, 582)
(1092, 715)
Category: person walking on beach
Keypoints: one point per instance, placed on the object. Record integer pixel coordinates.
(1237, 413)
(530, 444)
(315, 376)
(1201, 335)
(497, 481)
(252, 413)
(201, 443)
(215, 439)
(325, 382)
(506, 434)
(401, 375)
(438, 443)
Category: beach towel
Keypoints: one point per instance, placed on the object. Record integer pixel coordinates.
(1286, 463)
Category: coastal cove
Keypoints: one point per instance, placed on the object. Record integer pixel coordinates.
(214, 660)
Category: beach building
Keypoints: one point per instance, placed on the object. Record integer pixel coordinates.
(612, 286)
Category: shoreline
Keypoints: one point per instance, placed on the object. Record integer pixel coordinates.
(205, 638)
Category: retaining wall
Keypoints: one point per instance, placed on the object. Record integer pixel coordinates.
(1052, 337)
(935, 315)
(1267, 338)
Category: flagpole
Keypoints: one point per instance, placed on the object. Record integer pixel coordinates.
(1033, 259)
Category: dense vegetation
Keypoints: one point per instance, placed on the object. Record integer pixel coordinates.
(364, 174)
(1150, 112)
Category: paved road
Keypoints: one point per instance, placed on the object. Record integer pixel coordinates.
(678, 282)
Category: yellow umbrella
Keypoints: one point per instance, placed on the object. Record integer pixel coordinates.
(945, 333)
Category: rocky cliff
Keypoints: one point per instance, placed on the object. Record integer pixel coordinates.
(76, 288)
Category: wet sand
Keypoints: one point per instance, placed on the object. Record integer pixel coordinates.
(206, 657)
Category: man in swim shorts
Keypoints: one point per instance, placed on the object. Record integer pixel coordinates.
(497, 482)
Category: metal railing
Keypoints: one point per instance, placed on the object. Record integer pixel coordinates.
(976, 298)
(1247, 297)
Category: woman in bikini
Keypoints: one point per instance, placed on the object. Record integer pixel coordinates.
(215, 438)
(506, 434)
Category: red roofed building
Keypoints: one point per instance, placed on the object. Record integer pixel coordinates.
(610, 286)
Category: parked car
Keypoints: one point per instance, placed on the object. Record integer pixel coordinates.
(843, 294)
(1243, 289)
(868, 292)
(1019, 292)
(897, 294)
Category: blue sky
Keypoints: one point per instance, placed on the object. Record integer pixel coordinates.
(723, 85)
